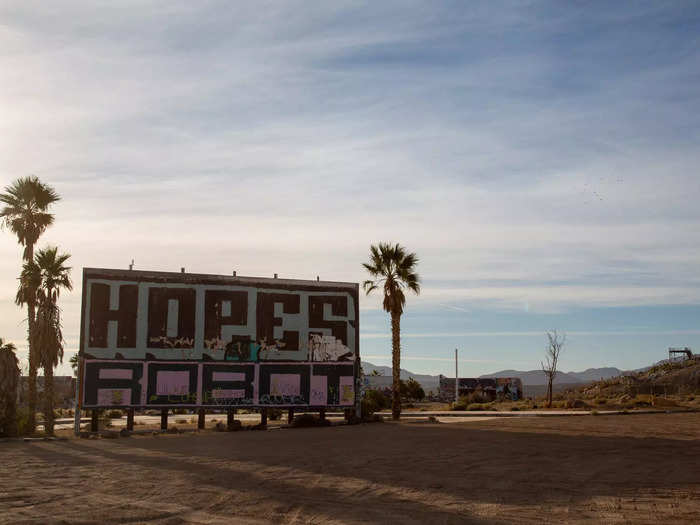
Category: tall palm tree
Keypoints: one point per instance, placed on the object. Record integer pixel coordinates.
(26, 215)
(9, 381)
(47, 274)
(394, 270)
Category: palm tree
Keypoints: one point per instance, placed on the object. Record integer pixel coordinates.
(394, 270)
(25, 214)
(47, 274)
(9, 381)
(75, 363)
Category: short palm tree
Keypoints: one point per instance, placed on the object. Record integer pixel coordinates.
(394, 270)
(9, 381)
(47, 274)
(75, 363)
(25, 213)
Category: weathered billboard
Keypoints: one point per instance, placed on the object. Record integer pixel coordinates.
(160, 339)
(492, 387)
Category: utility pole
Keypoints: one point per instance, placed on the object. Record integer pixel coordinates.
(456, 378)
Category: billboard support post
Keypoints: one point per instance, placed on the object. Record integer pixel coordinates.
(76, 405)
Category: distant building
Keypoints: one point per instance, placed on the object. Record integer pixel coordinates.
(63, 387)
(492, 387)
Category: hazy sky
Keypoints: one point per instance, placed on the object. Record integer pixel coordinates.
(541, 158)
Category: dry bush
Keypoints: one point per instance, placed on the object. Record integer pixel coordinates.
(576, 403)
(663, 402)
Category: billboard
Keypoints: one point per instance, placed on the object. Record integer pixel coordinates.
(161, 339)
(493, 387)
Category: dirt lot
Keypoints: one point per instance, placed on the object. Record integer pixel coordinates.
(635, 468)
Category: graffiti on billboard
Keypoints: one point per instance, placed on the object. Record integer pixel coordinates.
(197, 320)
(152, 338)
(125, 383)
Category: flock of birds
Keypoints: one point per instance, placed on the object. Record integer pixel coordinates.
(591, 195)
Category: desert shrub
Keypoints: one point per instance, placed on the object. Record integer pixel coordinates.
(181, 421)
(22, 421)
(113, 414)
(478, 406)
(373, 401)
(576, 403)
(595, 413)
(367, 407)
(411, 389)
(179, 411)
(459, 405)
(663, 402)
(601, 401)
(514, 408)
(478, 396)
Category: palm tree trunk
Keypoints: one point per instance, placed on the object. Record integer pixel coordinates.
(48, 400)
(396, 365)
(31, 388)
(549, 393)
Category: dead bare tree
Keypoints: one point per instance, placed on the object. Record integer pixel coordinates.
(549, 365)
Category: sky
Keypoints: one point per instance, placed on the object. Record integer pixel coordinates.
(541, 158)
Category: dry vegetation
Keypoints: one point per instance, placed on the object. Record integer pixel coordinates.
(666, 386)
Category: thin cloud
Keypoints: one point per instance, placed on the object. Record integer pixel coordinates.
(287, 139)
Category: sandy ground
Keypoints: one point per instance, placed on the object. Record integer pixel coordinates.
(612, 469)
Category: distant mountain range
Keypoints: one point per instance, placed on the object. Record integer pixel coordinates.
(537, 377)
(528, 377)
